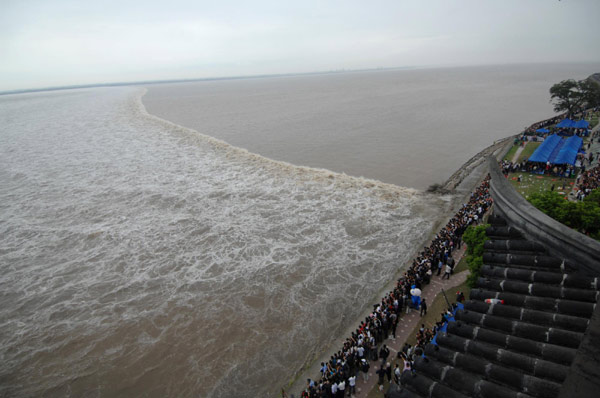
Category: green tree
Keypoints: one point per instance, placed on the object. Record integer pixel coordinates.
(590, 90)
(593, 196)
(583, 216)
(573, 96)
(474, 237)
(550, 203)
(590, 219)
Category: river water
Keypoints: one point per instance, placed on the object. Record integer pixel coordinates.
(406, 127)
(142, 258)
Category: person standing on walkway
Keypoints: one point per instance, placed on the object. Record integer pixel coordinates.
(323, 369)
(388, 371)
(351, 385)
(384, 353)
(447, 272)
(361, 352)
(334, 389)
(407, 367)
(341, 388)
(394, 318)
(365, 369)
(451, 264)
(423, 307)
(381, 374)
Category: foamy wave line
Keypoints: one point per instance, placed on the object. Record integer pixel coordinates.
(341, 180)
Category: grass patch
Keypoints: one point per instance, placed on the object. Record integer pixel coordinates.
(434, 311)
(528, 151)
(534, 183)
(511, 152)
(461, 266)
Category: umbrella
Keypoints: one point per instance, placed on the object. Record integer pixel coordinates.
(542, 131)
(416, 296)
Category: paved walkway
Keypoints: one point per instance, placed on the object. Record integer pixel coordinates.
(408, 322)
(595, 149)
(595, 146)
(517, 154)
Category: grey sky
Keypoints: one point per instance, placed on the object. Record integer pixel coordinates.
(61, 42)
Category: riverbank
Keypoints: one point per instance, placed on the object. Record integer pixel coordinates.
(462, 183)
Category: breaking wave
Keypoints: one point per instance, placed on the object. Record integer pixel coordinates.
(141, 257)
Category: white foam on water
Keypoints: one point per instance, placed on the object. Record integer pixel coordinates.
(140, 257)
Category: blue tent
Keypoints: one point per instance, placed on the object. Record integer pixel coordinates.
(570, 124)
(542, 131)
(581, 124)
(568, 152)
(565, 124)
(543, 152)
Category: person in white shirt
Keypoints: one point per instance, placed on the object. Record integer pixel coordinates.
(334, 388)
(361, 352)
(448, 272)
(341, 388)
(352, 385)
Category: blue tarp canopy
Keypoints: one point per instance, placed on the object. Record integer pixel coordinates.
(571, 124)
(565, 124)
(557, 150)
(542, 153)
(542, 131)
(568, 152)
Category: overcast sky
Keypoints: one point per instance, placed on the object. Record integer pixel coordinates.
(62, 42)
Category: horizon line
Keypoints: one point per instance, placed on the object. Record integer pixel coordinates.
(258, 76)
(197, 79)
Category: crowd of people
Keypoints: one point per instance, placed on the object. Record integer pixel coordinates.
(586, 114)
(545, 123)
(366, 347)
(557, 170)
(587, 182)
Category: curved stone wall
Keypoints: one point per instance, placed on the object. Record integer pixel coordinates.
(559, 239)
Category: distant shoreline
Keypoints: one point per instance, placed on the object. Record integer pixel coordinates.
(262, 76)
(203, 79)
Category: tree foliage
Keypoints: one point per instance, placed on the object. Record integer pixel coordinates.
(574, 96)
(583, 216)
(475, 237)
